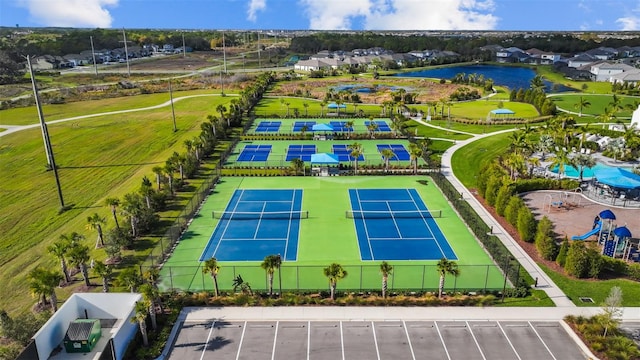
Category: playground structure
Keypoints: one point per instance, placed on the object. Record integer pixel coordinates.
(564, 200)
(616, 242)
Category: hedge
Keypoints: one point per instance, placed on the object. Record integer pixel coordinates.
(514, 271)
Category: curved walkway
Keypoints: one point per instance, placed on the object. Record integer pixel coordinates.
(15, 128)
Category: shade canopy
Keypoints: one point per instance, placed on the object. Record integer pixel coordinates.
(622, 232)
(322, 127)
(607, 215)
(335, 106)
(324, 158)
(617, 177)
(502, 112)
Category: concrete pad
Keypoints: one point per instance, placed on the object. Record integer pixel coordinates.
(392, 340)
(257, 343)
(492, 341)
(225, 340)
(555, 337)
(359, 341)
(425, 340)
(325, 340)
(459, 341)
(291, 340)
(190, 341)
(525, 341)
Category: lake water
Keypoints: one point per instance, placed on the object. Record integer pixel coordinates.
(511, 77)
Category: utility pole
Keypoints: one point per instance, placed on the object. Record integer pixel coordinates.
(173, 111)
(184, 48)
(259, 58)
(224, 54)
(45, 135)
(126, 52)
(93, 53)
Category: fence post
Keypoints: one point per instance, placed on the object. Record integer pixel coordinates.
(202, 273)
(361, 278)
(424, 270)
(486, 279)
(170, 278)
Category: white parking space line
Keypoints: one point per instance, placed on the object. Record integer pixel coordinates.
(308, 338)
(542, 341)
(475, 340)
(342, 340)
(241, 339)
(406, 331)
(375, 339)
(508, 340)
(275, 338)
(435, 323)
(204, 349)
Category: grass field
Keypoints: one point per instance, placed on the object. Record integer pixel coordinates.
(598, 103)
(98, 158)
(328, 236)
(479, 109)
(467, 161)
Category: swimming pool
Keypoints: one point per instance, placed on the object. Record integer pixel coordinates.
(572, 172)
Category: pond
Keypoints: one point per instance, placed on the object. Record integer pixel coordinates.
(511, 77)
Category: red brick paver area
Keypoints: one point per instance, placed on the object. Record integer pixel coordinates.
(575, 215)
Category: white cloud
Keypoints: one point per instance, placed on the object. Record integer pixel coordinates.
(629, 23)
(254, 7)
(71, 13)
(401, 14)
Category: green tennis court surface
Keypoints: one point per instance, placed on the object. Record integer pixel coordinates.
(328, 236)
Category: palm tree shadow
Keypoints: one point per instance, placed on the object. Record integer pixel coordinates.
(217, 342)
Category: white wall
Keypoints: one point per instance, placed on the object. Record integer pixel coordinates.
(127, 332)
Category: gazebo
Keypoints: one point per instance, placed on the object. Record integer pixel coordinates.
(623, 183)
(500, 114)
(324, 159)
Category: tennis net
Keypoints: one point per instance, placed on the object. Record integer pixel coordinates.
(364, 214)
(240, 215)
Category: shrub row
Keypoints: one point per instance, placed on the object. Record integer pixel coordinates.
(526, 185)
(516, 274)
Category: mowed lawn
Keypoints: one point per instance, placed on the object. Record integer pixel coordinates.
(98, 158)
(598, 103)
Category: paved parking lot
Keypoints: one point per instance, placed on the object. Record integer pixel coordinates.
(397, 340)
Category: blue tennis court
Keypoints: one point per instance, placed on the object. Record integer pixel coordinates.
(340, 126)
(395, 224)
(255, 153)
(344, 153)
(257, 223)
(298, 125)
(268, 126)
(382, 125)
(400, 152)
(303, 152)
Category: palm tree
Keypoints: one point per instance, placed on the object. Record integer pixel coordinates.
(129, 278)
(545, 144)
(149, 294)
(356, 151)
(537, 83)
(297, 165)
(270, 264)
(306, 109)
(387, 154)
(584, 161)
(584, 131)
(131, 208)
(212, 268)
(113, 203)
(385, 270)
(59, 250)
(212, 125)
(617, 148)
(287, 104)
(372, 127)
(158, 170)
(607, 115)
(415, 152)
(445, 267)
(349, 125)
(78, 256)
(323, 103)
(581, 104)
(95, 222)
(105, 272)
(43, 282)
(146, 190)
(239, 283)
(334, 273)
(560, 160)
(178, 161)
(515, 162)
(140, 317)
(221, 109)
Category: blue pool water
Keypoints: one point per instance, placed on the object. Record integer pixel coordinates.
(570, 171)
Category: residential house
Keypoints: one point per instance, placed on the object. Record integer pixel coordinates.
(631, 77)
(312, 65)
(604, 70)
(603, 53)
(581, 60)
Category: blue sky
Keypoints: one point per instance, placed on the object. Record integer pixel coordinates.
(558, 15)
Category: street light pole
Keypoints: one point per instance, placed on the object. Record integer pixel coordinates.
(126, 52)
(45, 135)
(173, 111)
(93, 53)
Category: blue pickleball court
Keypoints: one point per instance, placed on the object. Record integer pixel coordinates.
(395, 224)
(257, 223)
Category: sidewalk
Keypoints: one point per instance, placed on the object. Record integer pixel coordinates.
(544, 282)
